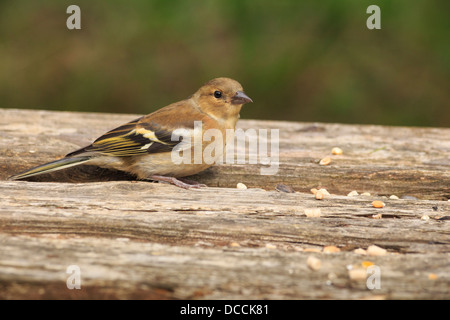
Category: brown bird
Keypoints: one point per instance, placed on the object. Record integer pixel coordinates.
(144, 147)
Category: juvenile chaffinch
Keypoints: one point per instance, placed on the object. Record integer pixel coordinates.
(143, 147)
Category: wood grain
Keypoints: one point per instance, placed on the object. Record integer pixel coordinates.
(143, 240)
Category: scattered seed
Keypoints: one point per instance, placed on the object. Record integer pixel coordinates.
(360, 251)
(313, 263)
(319, 195)
(336, 151)
(235, 245)
(366, 264)
(322, 191)
(425, 217)
(325, 161)
(332, 276)
(393, 197)
(353, 193)
(432, 276)
(312, 213)
(377, 216)
(365, 194)
(378, 204)
(270, 246)
(331, 249)
(241, 186)
(357, 274)
(374, 250)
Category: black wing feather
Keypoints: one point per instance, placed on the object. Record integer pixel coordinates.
(131, 139)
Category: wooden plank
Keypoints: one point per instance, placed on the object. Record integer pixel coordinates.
(377, 159)
(155, 241)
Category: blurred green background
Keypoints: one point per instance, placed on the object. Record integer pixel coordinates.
(298, 60)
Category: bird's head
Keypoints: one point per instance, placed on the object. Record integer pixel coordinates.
(222, 99)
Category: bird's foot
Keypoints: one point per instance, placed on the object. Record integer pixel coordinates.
(182, 183)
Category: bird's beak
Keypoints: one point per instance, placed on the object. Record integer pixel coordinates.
(240, 98)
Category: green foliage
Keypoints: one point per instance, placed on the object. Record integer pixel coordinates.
(298, 60)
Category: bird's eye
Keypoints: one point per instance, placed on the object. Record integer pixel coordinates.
(217, 94)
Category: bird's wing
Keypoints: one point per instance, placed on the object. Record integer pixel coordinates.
(138, 137)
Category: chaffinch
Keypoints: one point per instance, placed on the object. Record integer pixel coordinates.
(143, 147)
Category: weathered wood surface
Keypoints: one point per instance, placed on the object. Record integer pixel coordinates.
(147, 240)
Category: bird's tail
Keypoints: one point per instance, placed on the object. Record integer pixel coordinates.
(51, 166)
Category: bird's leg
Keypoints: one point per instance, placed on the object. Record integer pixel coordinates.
(192, 182)
(186, 184)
